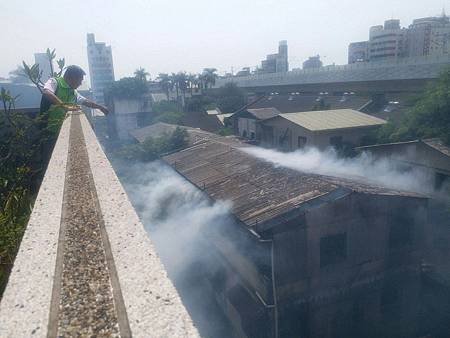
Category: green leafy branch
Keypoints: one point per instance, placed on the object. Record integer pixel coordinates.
(34, 73)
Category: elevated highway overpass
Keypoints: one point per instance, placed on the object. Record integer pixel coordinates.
(406, 75)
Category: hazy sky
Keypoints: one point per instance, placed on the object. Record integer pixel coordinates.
(189, 35)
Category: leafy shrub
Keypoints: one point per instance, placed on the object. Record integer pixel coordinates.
(153, 148)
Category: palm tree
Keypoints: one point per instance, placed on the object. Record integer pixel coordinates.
(193, 82)
(209, 76)
(182, 80)
(165, 83)
(141, 74)
(201, 82)
(176, 84)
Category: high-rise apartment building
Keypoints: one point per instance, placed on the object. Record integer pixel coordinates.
(358, 52)
(101, 68)
(44, 65)
(276, 63)
(386, 41)
(429, 36)
(313, 62)
(424, 37)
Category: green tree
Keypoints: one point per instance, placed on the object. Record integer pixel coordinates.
(172, 117)
(193, 82)
(34, 74)
(176, 84)
(182, 81)
(430, 117)
(209, 76)
(21, 168)
(24, 146)
(126, 88)
(230, 98)
(165, 83)
(141, 74)
(201, 82)
(153, 148)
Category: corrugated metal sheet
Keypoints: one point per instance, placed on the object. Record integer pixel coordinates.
(437, 144)
(332, 119)
(258, 190)
(264, 113)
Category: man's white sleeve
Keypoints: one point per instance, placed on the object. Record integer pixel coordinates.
(80, 98)
(51, 85)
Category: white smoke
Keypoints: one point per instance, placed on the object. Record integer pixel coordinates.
(175, 214)
(363, 168)
(168, 204)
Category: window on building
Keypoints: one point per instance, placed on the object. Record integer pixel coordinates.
(301, 141)
(333, 249)
(252, 135)
(400, 230)
(336, 141)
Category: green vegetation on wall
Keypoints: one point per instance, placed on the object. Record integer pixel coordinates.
(23, 144)
(430, 116)
(152, 148)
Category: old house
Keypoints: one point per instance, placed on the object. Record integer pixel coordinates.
(129, 114)
(430, 158)
(321, 129)
(303, 253)
(246, 122)
(431, 155)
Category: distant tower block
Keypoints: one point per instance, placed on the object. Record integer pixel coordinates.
(101, 69)
(44, 65)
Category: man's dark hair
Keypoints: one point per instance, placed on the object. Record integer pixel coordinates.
(74, 72)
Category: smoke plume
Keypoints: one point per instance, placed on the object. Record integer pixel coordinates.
(175, 214)
(363, 168)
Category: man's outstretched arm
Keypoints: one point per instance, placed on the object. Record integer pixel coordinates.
(52, 97)
(91, 104)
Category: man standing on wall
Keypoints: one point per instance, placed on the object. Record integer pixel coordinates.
(62, 91)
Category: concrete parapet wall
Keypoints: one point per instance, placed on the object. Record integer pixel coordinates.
(153, 306)
(25, 306)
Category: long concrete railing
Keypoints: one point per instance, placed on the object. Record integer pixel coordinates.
(86, 266)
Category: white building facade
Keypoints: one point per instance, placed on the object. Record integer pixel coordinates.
(424, 37)
(386, 41)
(276, 63)
(44, 65)
(429, 36)
(101, 69)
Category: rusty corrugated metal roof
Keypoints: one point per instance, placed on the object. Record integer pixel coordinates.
(258, 190)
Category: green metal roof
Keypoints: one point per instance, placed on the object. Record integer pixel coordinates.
(332, 119)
